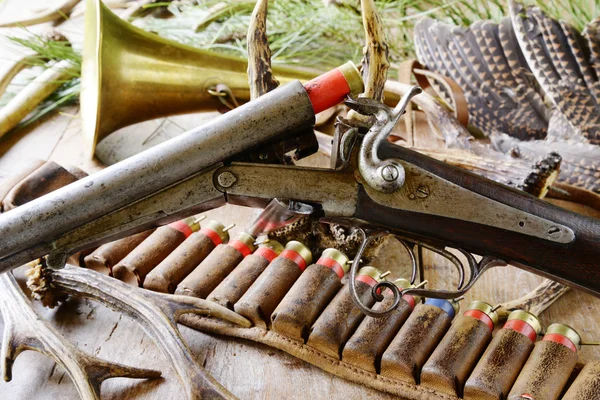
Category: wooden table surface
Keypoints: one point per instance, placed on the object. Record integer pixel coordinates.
(249, 370)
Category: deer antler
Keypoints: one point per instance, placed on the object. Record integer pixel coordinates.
(375, 62)
(260, 75)
(25, 329)
(49, 14)
(157, 313)
(536, 301)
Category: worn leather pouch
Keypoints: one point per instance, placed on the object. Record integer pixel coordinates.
(454, 358)
(339, 320)
(207, 276)
(499, 366)
(148, 254)
(373, 335)
(228, 292)
(301, 306)
(412, 346)
(180, 263)
(265, 294)
(587, 384)
(546, 372)
(105, 257)
(45, 179)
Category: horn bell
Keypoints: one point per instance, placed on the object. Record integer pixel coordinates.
(130, 75)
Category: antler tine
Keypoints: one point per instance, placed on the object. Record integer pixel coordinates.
(47, 15)
(156, 313)
(33, 94)
(25, 329)
(260, 75)
(375, 62)
(17, 66)
(180, 305)
(536, 301)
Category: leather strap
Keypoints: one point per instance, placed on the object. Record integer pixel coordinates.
(412, 67)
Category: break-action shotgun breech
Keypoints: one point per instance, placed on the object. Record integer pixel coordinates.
(375, 185)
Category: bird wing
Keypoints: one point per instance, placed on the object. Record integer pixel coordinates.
(549, 54)
(499, 97)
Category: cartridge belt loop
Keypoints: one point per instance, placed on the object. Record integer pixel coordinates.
(240, 246)
(181, 227)
(369, 280)
(334, 265)
(295, 257)
(480, 315)
(445, 305)
(558, 338)
(522, 327)
(267, 253)
(212, 235)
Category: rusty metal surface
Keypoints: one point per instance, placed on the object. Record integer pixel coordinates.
(191, 196)
(336, 192)
(424, 192)
(283, 110)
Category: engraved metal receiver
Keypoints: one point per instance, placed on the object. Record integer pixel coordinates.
(375, 185)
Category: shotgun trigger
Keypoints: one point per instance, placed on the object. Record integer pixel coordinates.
(412, 244)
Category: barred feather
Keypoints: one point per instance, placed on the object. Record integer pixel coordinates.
(546, 48)
(499, 99)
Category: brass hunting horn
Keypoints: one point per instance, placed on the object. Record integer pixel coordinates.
(130, 75)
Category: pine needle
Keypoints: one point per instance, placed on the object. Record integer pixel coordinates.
(48, 52)
(305, 33)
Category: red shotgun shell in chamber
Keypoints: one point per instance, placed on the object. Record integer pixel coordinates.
(332, 87)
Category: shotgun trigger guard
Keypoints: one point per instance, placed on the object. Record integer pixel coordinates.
(388, 175)
(367, 239)
(476, 268)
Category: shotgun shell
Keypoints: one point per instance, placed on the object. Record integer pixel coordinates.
(499, 367)
(216, 266)
(105, 257)
(587, 384)
(148, 254)
(418, 337)
(311, 293)
(182, 261)
(549, 365)
(332, 87)
(261, 299)
(367, 344)
(341, 317)
(454, 358)
(228, 292)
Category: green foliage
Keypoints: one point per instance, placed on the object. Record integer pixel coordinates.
(312, 34)
(307, 33)
(47, 51)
